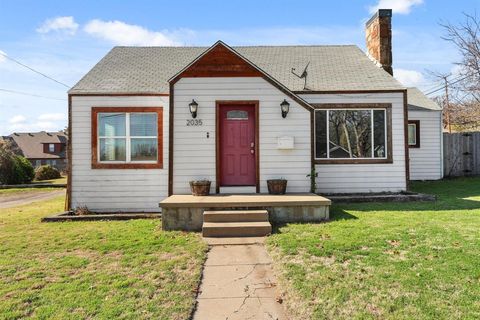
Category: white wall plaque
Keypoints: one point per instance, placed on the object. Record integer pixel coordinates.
(285, 143)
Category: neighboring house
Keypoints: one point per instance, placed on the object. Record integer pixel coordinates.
(42, 147)
(147, 120)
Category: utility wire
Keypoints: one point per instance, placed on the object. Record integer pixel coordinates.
(32, 69)
(443, 87)
(30, 94)
(441, 83)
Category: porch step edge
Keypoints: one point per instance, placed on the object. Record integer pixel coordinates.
(236, 229)
(236, 216)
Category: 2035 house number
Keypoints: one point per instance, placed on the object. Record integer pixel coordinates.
(194, 122)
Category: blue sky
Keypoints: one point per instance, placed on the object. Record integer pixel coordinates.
(64, 39)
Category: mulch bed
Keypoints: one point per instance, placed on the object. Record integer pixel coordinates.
(69, 216)
(380, 197)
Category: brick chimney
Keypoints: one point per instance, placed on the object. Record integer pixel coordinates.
(379, 38)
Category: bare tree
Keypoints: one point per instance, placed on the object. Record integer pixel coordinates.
(465, 36)
(461, 96)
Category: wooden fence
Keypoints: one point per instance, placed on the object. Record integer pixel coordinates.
(461, 154)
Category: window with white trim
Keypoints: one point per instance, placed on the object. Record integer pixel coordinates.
(51, 147)
(343, 134)
(414, 133)
(127, 137)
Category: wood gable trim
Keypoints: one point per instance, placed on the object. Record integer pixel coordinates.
(220, 60)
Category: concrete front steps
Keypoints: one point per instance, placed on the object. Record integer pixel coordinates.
(236, 223)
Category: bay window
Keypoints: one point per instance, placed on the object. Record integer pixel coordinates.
(127, 137)
(353, 133)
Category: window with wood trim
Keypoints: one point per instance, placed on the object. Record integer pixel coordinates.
(414, 133)
(353, 133)
(127, 137)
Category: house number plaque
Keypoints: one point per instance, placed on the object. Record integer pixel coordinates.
(194, 122)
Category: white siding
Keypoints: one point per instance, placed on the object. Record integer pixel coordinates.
(426, 161)
(352, 178)
(114, 189)
(194, 153)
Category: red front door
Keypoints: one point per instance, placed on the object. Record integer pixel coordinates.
(237, 145)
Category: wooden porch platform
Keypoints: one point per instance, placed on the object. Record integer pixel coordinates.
(244, 200)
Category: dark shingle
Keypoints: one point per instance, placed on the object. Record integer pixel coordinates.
(147, 69)
(418, 100)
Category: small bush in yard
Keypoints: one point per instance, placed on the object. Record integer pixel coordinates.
(82, 210)
(46, 172)
(6, 164)
(14, 169)
(23, 171)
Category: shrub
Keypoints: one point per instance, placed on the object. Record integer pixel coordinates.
(23, 171)
(7, 164)
(46, 172)
(82, 210)
(14, 169)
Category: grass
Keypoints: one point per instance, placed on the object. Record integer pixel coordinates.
(102, 270)
(61, 180)
(387, 260)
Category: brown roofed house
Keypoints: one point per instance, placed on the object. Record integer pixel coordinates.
(42, 147)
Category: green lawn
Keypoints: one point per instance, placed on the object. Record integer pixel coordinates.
(102, 270)
(387, 260)
(61, 180)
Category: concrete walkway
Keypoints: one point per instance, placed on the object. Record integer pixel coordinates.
(238, 283)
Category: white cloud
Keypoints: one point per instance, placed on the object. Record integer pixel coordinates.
(121, 33)
(52, 117)
(409, 78)
(17, 119)
(60, 24)
(45, 122)
(35, 126)
(2, 56)
(398, 6)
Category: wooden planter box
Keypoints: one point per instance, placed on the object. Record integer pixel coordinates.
(277, 186)
(200, 188)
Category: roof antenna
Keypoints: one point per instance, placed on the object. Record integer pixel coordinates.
(303, 75)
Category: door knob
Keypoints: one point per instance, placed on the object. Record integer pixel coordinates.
(252, 144)
(252, 151)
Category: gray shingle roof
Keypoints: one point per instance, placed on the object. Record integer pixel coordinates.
(416, 100)
(147, 69)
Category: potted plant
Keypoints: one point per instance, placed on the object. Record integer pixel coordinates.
(277, 186)
(200, 187)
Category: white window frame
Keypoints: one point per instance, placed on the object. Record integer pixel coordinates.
(385, 157)
(414, 135)
(51, 147)
(127, 137)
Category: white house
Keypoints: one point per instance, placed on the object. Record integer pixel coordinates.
(147, 120)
